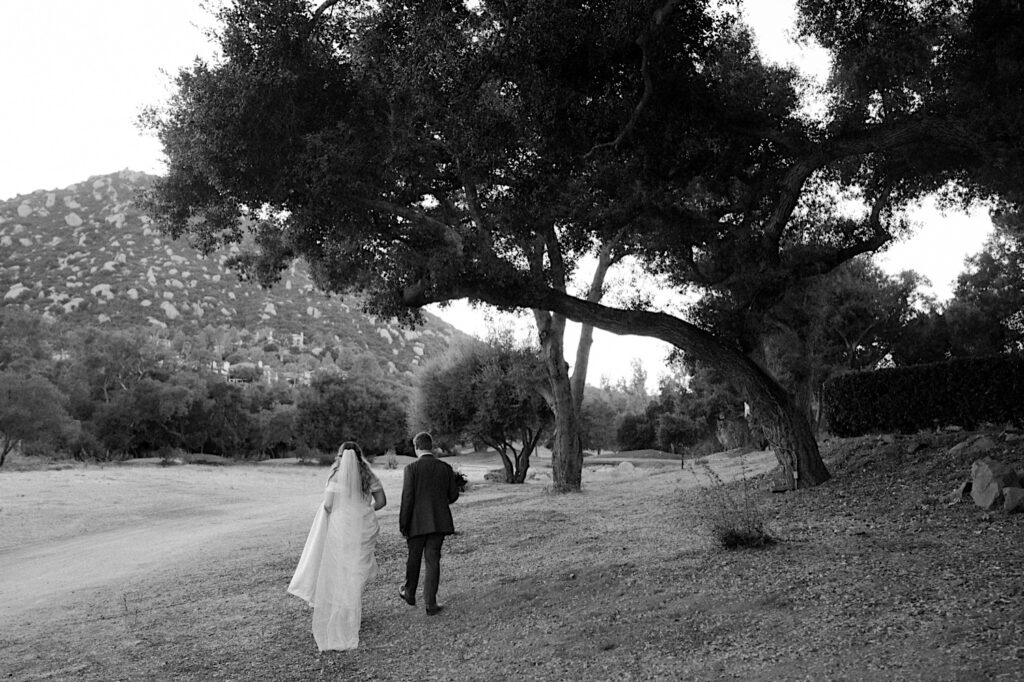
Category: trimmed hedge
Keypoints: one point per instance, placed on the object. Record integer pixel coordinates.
(962, 392)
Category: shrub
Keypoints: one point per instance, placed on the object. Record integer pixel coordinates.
(705, 447)
(961, 392)
(246, 372)
(390, 459)
(735, 521)
(333, 409)
(307, 455)
(170, 455)
(461, 479)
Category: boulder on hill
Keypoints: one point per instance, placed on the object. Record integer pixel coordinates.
(989, 478)
(961, 493)
(972, 448)
(1013, 499)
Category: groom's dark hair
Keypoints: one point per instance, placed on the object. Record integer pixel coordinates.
(423, 441)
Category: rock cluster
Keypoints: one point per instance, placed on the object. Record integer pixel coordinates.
(88, 255)
(993, 484)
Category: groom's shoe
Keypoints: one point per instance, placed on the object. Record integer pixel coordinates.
(409, 599)
(434, 610)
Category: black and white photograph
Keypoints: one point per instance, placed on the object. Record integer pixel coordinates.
(525, 340)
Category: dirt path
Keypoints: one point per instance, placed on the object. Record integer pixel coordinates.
(67, 535)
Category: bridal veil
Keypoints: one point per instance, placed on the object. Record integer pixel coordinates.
(338, 559)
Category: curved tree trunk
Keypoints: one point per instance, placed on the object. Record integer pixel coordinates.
(785, 425)
(787, 428)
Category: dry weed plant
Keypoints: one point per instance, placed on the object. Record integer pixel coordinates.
(390, 459)
(735, 519)
(130, 613)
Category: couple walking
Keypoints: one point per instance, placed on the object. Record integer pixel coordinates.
(338, 558)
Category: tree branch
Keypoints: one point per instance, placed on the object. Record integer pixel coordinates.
(475, 212)
(605, 259)
(879, 237)
(791, 188)
(324, 6)
(446, 232)
(880, 138)
(643, 41)
(557, 262)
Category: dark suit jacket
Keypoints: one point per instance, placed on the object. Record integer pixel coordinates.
(429, 487)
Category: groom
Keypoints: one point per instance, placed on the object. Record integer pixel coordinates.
(424, 519)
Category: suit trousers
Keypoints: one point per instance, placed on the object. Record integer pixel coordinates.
(425, 548)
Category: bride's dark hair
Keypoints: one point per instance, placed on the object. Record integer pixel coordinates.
(365, 475)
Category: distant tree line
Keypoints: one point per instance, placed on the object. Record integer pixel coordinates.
(102, 394)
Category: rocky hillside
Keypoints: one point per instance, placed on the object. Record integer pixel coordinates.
(85, 255)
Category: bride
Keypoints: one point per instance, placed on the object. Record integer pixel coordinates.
(338, 560)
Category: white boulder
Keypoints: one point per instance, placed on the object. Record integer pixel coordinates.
(169, 310)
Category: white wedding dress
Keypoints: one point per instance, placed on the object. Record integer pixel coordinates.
(338, 560)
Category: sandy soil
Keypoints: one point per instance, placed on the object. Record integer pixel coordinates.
(66, 534)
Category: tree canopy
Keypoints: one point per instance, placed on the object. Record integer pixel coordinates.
(31, 412)
(487, 393)
(435, 150)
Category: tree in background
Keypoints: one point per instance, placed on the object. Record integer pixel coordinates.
(24, 340)
(695, 411)
(635, 432)
(489, 393)
(223, 414)
(954, 329)
(101, 362)
(335, 408)
(634, 389)
(276, 431)
(984, 315)
(992, 286)
(679, 424)
(598, 417)
(850, 318)
(31, 412)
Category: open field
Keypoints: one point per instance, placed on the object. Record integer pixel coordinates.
(116, 573)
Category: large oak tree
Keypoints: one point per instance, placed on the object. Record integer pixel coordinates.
(434, 150)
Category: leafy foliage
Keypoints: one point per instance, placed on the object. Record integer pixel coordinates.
(31, 412)
(488, 393)
(111, 394)
(983, 317)
(598, 418)
(697, 412)
(22, 339)
(993, 286)
(850, 318)
(334, 409)
(961, 392)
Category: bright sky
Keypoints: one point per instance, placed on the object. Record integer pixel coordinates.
(76, 74)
